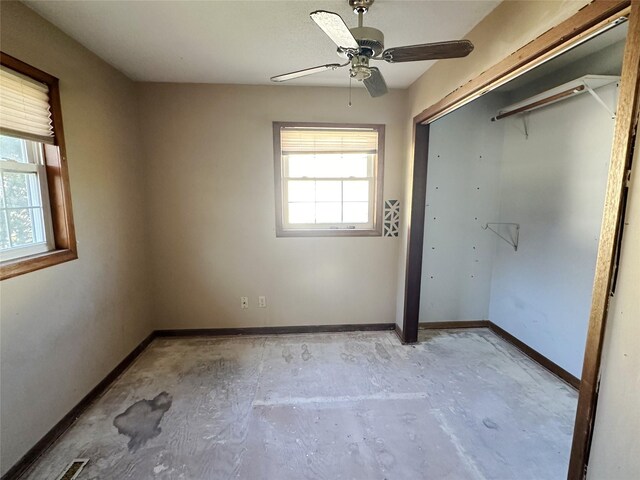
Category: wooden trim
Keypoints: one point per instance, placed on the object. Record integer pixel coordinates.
(376, 231)
(55, 156)
(553, 367)
(398, 332)
(621, 156)
(60, 198)
(17, 470)
(277, 176)
(567, 34)
(26, 69)
(378, 205)
(454, 324)
(413, 273)
(537, 357)
(19, 266)
(217, 332)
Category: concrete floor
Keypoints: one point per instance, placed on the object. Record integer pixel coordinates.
(459, 405)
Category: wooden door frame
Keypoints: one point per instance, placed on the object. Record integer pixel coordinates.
(587, 22)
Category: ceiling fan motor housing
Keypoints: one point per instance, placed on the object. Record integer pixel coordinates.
(371, 41)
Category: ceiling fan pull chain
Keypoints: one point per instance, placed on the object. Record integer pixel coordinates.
(349, 90)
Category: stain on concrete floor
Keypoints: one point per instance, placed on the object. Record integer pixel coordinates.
(140, 422)
(460, 405)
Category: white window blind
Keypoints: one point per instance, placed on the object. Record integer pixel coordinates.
(315, 140)
(24, 108)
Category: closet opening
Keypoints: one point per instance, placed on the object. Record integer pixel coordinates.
(518, 185)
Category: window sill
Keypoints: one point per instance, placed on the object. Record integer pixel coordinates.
(328, 233)
(19, 266)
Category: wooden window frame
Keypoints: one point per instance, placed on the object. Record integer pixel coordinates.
(580, 27)
(55, 160)
(376, 230)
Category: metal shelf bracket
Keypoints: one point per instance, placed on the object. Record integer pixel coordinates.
(514, 232)
(599, 100)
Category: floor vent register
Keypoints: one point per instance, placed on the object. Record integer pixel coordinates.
(73, 469)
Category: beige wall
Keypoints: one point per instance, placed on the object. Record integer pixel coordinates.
(211, 203)
(511, 25)
(65, 327)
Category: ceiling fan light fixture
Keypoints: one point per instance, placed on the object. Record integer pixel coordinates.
(360, 68)
(360, 72)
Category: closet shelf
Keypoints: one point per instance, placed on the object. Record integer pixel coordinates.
(587, 83)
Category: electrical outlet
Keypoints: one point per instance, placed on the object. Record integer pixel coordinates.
(244, 302)
(262, 301)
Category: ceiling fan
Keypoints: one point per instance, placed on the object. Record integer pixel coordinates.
(361, 44)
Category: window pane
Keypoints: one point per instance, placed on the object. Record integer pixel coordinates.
(329, 212)
(356, 212)
(356, 191)
(328, 191)
(35, 199)
(302, 213)
(301, 166)
(301, 191)
(4, 231)
(355, 166)
(329, 166)
(38, 224)
(13, 149)
(342, 165)
(21, 227)
(21, 189)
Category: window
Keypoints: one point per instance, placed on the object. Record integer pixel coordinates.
(25, 216)
(328, 179)
(36, 224)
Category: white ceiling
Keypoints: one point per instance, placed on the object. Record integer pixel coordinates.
(246, 42)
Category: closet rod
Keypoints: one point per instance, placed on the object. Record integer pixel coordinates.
(540, 103)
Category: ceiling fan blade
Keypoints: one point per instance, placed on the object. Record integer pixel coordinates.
(428, 51)
(307, 71)
(333, 25)
(375, 84)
